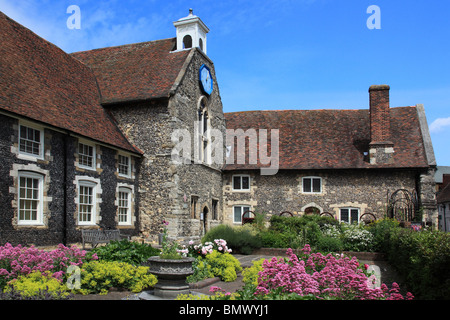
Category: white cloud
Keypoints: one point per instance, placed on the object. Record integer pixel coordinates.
(438, 124)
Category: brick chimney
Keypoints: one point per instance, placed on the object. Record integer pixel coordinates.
(381, 148)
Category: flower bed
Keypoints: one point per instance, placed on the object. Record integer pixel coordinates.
(308, 276)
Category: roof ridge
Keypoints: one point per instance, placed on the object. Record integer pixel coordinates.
(309, 110)
(123, 45)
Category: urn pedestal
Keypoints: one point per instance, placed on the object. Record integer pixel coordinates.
(172, 274)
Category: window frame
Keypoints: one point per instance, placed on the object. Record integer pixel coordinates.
(312, 178)
(128, 208)
(93, 204)
(241, 184)
(350, 221)
(241, 206)
(94, 155)
(40, 199)
(40, 143)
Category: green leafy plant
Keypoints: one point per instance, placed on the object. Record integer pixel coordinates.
(170, 249)
(37, 285)
(100, 276)
(125, 251)
(240, 239)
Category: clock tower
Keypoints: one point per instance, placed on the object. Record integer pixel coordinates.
(191, 32)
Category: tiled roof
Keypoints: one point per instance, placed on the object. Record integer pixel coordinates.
(41, 82)
(137, 71)
(332, 139)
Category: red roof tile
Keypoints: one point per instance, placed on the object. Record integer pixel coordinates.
(137, 71)
(41, 82)
(332, 139)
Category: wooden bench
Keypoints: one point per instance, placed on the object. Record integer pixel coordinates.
(96, 236)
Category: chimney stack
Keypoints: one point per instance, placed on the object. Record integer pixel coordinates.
(381, 149)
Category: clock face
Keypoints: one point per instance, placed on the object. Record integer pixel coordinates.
(206, 79)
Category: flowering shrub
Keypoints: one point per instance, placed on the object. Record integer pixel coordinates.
(356, 238)
(37, 284)
(317, 276)
(223, 265)
(100, 276)
(16, 261)
(194, 250)
(212, 259)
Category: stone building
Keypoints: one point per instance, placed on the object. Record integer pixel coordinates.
(342, 163)
(126, 137)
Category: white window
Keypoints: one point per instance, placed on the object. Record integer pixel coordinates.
(31, 141)
(312, 185)
(30, 198)
(86, 203)
(241, 183)
(349, 215)
(86, 156)
(124, 165)
(124, 206)
(238, 211)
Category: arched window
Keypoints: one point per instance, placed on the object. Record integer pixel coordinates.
(187, 42)
(312, 210)
(204, 132)
(200, 42)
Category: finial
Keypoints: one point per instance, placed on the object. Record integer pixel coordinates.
(191, 12)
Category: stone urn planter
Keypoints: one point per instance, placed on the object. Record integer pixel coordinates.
(172, 274)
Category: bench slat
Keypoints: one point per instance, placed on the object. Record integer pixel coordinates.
(94, 237)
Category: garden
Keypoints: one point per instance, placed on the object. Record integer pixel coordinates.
(315, 267)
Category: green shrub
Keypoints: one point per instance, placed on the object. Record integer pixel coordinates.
(329, 244)
(422, 258)
(223, 265)
(240, 239)
(202, 270)
(251, 274)
(100, 276)
(276, 239)
(381, 230)
(215, 264)
(125, 251)
(296, 224)
(37, 285)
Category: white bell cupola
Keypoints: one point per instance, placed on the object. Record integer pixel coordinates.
(191, 32)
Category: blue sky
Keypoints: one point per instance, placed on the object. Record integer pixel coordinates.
(284, 54)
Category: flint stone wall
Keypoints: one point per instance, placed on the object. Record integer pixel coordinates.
(166, 186)
(364, 189)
